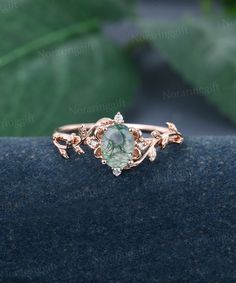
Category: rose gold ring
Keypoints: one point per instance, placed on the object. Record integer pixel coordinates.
(121, 146)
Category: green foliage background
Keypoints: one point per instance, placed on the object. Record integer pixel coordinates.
(58, 67)
(204, 52)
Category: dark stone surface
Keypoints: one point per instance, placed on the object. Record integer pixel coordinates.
(73, 221)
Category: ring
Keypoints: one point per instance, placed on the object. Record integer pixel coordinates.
(119, 145)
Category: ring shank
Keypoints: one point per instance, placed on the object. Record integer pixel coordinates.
(145, 128)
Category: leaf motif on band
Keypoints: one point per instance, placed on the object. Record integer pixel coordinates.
(108, 138)
(172, 127)
(152, 154)
(164, 140)
(83, 132)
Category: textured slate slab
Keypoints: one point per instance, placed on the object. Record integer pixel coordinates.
(73, 221)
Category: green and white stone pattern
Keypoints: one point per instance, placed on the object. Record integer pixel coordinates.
(117, 146)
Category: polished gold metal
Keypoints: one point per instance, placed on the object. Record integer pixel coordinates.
(73, 136)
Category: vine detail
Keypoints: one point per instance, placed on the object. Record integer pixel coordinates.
(91, 135)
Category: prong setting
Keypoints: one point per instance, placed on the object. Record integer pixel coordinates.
(116, 171)
(119, 118)
(116, 144)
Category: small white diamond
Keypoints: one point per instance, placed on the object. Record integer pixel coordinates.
(142, 145)
(152, 155)
(119, 118)
(92, 143)
(117, 171)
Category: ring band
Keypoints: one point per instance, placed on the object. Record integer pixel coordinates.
(119, 145)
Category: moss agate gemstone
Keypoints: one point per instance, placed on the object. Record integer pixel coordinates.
(117, 146)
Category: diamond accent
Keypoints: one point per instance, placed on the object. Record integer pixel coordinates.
(119, 118)
(117, 171)
(152, 155)
(93, 143)
(143, 145)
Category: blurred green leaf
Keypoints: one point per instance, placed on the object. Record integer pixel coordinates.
(56, 66)
(204, 52)
(230, 6)
(207, 5)
(24, 21)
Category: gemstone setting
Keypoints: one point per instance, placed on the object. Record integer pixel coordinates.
(117, 147)
(119, 118)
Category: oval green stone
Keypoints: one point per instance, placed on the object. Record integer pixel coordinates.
(117, 146)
